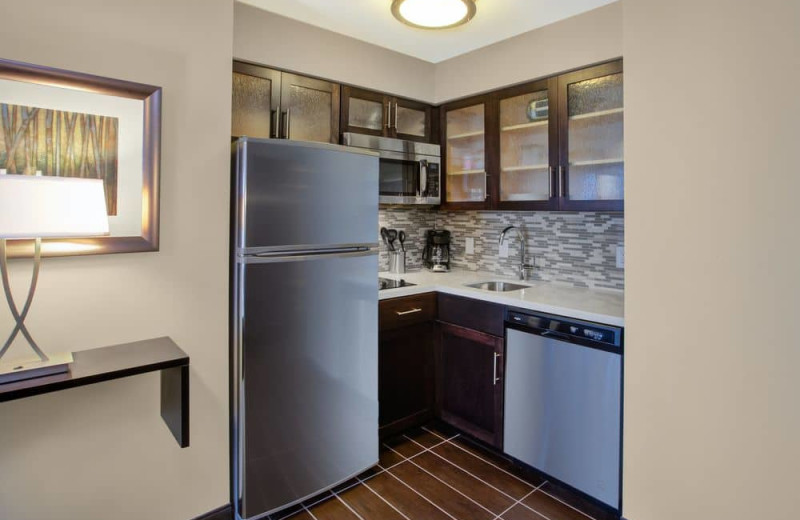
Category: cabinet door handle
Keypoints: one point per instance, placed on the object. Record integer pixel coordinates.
(495, 379)
(389, 115)
(273, 130)
(395, 116)
(288, 123)
(550, 171)
(411, 311)
(560, 181)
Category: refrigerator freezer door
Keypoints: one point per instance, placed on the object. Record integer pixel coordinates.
(307, 376)
(294, 195)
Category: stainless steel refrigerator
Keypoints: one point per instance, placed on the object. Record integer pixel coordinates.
(304, 311)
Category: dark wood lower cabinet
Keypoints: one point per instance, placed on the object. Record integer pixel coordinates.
(469, 379)
(405, 377)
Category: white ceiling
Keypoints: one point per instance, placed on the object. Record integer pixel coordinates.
(372, 21)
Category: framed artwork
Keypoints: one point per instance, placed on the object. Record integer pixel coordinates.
(69, 124)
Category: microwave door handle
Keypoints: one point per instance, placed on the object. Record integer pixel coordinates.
(423, 178)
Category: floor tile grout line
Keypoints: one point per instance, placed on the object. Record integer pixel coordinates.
(385, 500)
(516, 477)
(539, 489)
(516, 503)
(307, 508)
(413, 456)
(431, 502)
(448, 485)
(478, 478)
(568, 505)
(310, 513)
(317, 502)
(488, 462)
(434, 433)
(348, 506)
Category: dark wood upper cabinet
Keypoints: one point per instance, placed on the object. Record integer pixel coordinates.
(590, 122)
(468, 152)
(375, 113)
(271, 104)
(469, 369)
(551, 144)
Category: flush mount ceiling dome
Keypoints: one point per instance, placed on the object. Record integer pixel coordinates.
(433, 14)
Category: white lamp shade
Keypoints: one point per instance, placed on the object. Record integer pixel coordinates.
(51, 207)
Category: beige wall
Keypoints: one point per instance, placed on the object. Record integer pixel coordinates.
(102, 451)
(712, 126)
(273, 40)
(584, 39)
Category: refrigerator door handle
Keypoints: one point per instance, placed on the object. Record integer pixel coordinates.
(301, 256)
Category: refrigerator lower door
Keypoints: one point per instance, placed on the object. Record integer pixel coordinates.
(306, 376)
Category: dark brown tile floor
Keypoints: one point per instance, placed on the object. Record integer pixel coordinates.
(429, 475)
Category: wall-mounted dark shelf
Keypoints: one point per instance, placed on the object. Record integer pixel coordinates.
(118, 361)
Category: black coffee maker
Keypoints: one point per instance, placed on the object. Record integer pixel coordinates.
(436, 256)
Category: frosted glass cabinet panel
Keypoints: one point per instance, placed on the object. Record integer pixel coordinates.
(593, 165)
(410, 121)
(366, 114)
(271, 104)
(375, 113)
(309, 109)
(526, 168)
(465, 165)
(255, 102)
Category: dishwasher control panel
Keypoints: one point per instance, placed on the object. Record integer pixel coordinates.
(567, 329)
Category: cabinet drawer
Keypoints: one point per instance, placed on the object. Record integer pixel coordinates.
(472, 314)
(407, 310)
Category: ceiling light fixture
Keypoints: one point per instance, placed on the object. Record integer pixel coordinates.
(433, 14)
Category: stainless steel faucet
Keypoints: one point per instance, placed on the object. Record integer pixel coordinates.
(522, 265)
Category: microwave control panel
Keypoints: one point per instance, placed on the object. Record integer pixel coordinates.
(433, 180)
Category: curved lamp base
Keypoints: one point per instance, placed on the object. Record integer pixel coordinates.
(45, 365)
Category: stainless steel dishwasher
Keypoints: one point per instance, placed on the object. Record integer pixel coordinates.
(563, 400)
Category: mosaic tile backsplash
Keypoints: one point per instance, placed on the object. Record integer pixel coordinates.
(576, 248)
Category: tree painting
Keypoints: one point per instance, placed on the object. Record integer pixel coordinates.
(60, 144)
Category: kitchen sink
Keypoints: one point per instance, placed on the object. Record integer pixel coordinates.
(497, 286)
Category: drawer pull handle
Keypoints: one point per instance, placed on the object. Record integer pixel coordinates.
(403, 313)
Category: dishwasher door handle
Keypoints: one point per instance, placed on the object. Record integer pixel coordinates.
(495, 379)
(554, 334)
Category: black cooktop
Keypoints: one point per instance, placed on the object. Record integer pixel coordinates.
(387, 283)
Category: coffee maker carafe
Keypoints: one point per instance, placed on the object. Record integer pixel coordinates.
(436, 256)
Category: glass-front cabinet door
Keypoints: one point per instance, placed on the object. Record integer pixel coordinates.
(411, 120)
(465, 155)
(528, 147)
(591, 169)
(365, 111)
(256, 99)
(309, 109)
(374, 113)
(271, 104)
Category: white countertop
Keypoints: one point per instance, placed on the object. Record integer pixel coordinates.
(598, 305)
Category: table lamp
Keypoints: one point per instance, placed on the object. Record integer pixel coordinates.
(36, 207)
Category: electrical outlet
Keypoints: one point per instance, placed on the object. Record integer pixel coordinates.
(621, 257)
(470, 246)
(538, 261)
(504, 250)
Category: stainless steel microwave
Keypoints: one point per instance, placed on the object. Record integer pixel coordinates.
(410, 172)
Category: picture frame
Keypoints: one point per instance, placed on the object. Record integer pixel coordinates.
(117, 137)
